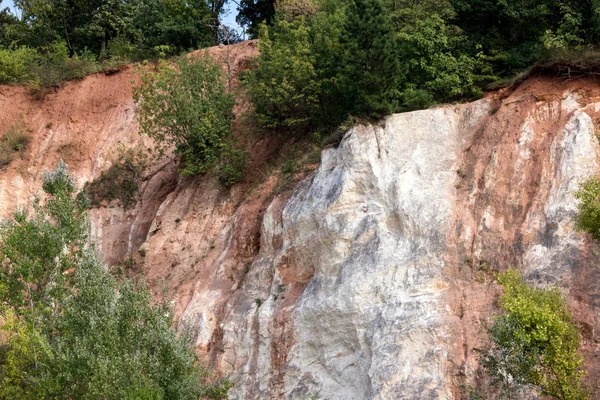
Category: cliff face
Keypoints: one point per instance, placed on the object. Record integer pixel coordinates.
(386, 251)
(369, 279)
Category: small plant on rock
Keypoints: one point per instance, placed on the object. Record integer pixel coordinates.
(534, 342)
(120, 182)
(588, 208)
(14, 141)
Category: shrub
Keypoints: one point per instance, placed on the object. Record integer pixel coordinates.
(15, 64)
(186, 106)
(120, 182)
(534, 341)
(72, 330)
(14, 142)
(588, 208)
(283, 85)
(55, 66)
(232, 166)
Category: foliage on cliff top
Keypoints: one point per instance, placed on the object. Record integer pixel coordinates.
(186, 106)
(312, 72)
(70, 329)
(43, 43)
(534, 341)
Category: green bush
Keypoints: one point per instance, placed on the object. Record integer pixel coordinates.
(283, 85)
(232, 165)
(46, 66)
(534, 341)
(16, 64)
(186, 106)
(14, 141)
(55, 66)
(73, 331)
(588, 208)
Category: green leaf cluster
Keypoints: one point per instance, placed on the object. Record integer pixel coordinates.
(94, 24)
(186, 106)
(365, 58)
(16, 64)
(283, 86)
(330, 59)
(46, 66)
(588, 208)
(534, 341)
(369, 66)
(51, 41)
(70, 329)
(518, 33)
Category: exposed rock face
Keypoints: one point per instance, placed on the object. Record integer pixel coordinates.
(372, 279)
(371, 228)
(368, 280)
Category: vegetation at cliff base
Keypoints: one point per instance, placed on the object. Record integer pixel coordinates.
(534, 342)
(71, 330)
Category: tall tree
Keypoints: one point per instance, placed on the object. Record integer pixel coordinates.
(370, 70)
(251, 13)
(151, 26)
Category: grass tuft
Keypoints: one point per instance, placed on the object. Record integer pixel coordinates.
(14, 142)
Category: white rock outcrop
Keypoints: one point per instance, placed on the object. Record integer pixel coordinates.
(373, 225)
(387, 252)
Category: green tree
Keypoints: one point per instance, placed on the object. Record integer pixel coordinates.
(73, 331)
(80, 24)
(517, 33)
(437, 70)
(16, 64)
(369, 68)
(187, 106)
(283, 85)
(171, 26)
(251, 13)
(38, 250)
(153, 27)
(534, 341)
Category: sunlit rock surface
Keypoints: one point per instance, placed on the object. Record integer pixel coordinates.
(371, 278)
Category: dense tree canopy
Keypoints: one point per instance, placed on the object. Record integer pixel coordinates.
(145, 24)
(252, 12)
(371, 57)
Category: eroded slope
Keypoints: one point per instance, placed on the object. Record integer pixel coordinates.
(370, 279)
